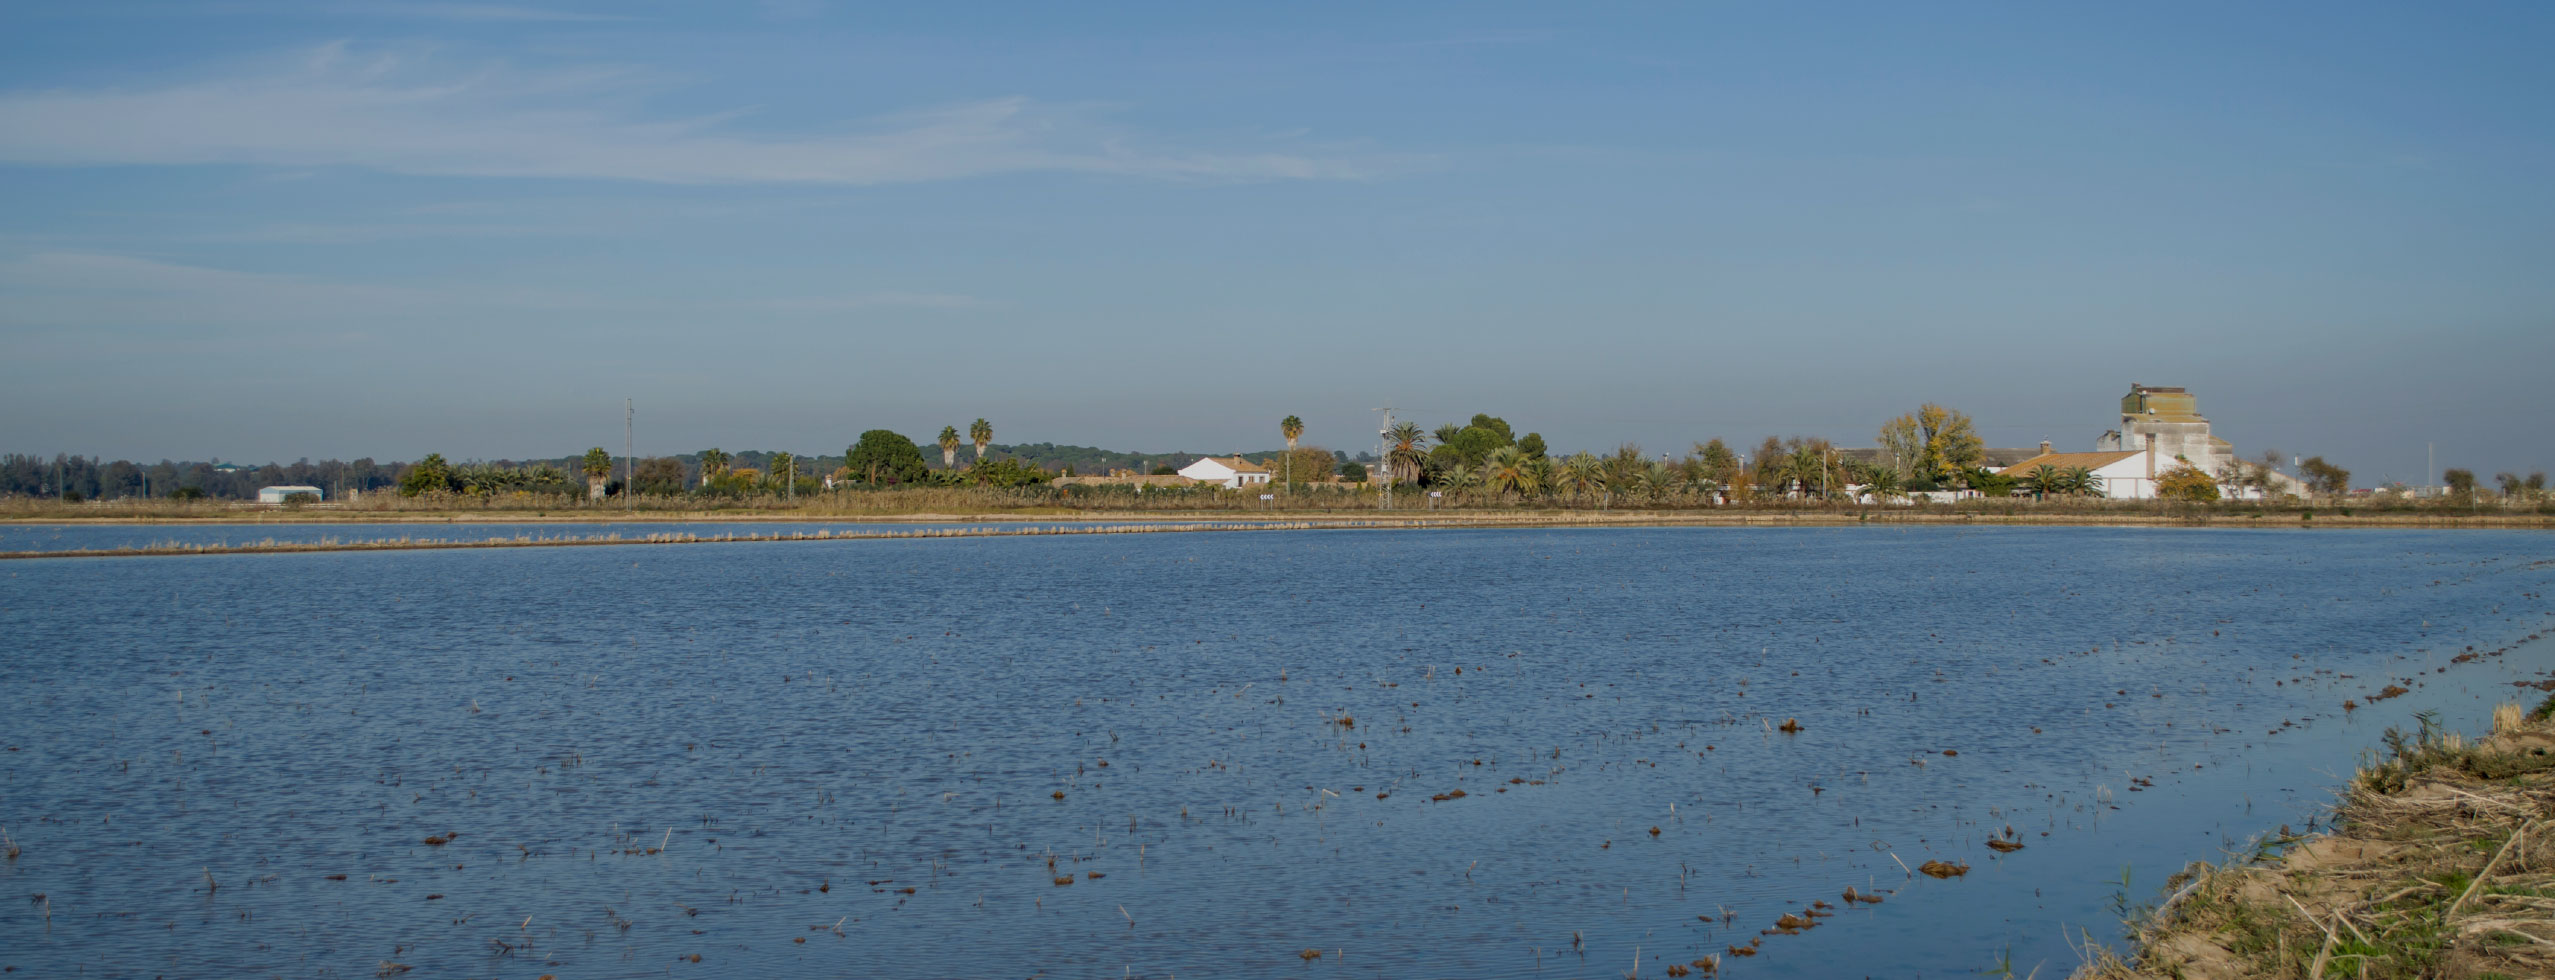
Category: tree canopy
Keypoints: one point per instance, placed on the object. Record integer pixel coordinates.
(882, 456)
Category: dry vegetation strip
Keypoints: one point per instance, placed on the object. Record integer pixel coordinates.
(2442, 864)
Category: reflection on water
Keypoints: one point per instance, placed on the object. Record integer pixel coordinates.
(114, 537)
(1453, 753)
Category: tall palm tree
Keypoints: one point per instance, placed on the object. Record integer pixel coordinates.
(598, 467)
(1292, 428)
(713, 462)
(983, 433)
(949, 447)
(1406, 450)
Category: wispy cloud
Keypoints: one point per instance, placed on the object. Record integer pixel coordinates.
(877, 300)
(471, 12)
(406, 114)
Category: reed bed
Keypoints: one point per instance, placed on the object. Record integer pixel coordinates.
(2441, 864)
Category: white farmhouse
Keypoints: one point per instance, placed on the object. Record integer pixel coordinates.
(1230, 471)
(2161, 429)
(2125, 475)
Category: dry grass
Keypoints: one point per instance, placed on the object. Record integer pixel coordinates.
(2443, 865)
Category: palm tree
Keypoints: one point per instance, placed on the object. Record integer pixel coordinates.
(1655, 481)
(949, 447)
(1506, 471)
(713, 462)
(598, 467)
(1447, 433)
(983, 433)
(2046, 480)
(784, 471)
(1292, 428)
(1459, 478)
(2084, 482)
(1405, 452)
(1541, 474)
(1883, 484)
(1586, 473)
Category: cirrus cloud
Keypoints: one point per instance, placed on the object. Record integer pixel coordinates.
(411, 115)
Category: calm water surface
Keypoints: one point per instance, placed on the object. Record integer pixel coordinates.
(110, 537)
(883, 758)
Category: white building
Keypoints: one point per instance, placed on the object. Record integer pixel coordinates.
(2125, 475)
(2161, 429)
(276, 495)
(1230, 471)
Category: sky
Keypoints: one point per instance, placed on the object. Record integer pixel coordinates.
(272, 230)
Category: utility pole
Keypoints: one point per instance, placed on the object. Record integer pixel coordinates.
(629, 455)
(1384, 454)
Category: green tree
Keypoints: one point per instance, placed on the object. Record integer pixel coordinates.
(1353, 471)
(1883, 484)
(430, 475)
(1903, 446)
(949, 443)
(1988, 483)
(882, 457)
(983, 434)
(2186, 482)
(1717, 462)
(660, 476)
(1532, 444)
(2461, 482)
(2325, 478)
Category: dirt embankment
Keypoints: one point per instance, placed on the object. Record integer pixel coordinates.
(2441, 864)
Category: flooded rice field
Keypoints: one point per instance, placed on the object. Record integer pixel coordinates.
(139, 537)
(1456, 753)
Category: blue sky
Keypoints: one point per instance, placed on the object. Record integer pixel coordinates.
(266, 230)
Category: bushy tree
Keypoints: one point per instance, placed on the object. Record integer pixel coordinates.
(430, 475)
(2325, 478)
(1006, 472)
(2186, 482)
(883, 457)
(2461, 482)
(1716, 462)
(660, 476)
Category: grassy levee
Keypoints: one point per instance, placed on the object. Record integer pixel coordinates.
(2440, 863)
(1043, 504)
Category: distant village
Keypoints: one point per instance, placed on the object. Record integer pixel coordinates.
(2157, 446)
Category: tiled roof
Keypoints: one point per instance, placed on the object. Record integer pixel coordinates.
(2063, 462)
